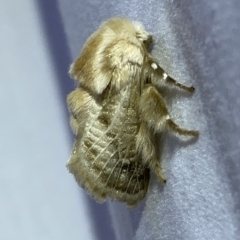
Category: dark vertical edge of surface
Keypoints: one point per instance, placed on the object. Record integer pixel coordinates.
(59, 50)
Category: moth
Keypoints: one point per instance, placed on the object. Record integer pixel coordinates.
(115, 112)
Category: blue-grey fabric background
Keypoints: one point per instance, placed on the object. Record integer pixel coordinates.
(197, 43)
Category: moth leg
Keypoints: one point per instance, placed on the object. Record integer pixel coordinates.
(159, 76)
(157, 169)
(147, 147)
(153, 110)
(171, 82)
(174, 128)
(79, 102)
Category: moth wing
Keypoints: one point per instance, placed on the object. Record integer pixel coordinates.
(121, 176)
(105, 160)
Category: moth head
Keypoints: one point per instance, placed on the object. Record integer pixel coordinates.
(130, 30)
(142, 35)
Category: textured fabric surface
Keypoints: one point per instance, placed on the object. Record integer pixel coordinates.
(196, 43)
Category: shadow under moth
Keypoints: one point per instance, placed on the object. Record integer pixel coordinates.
(116, 111)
